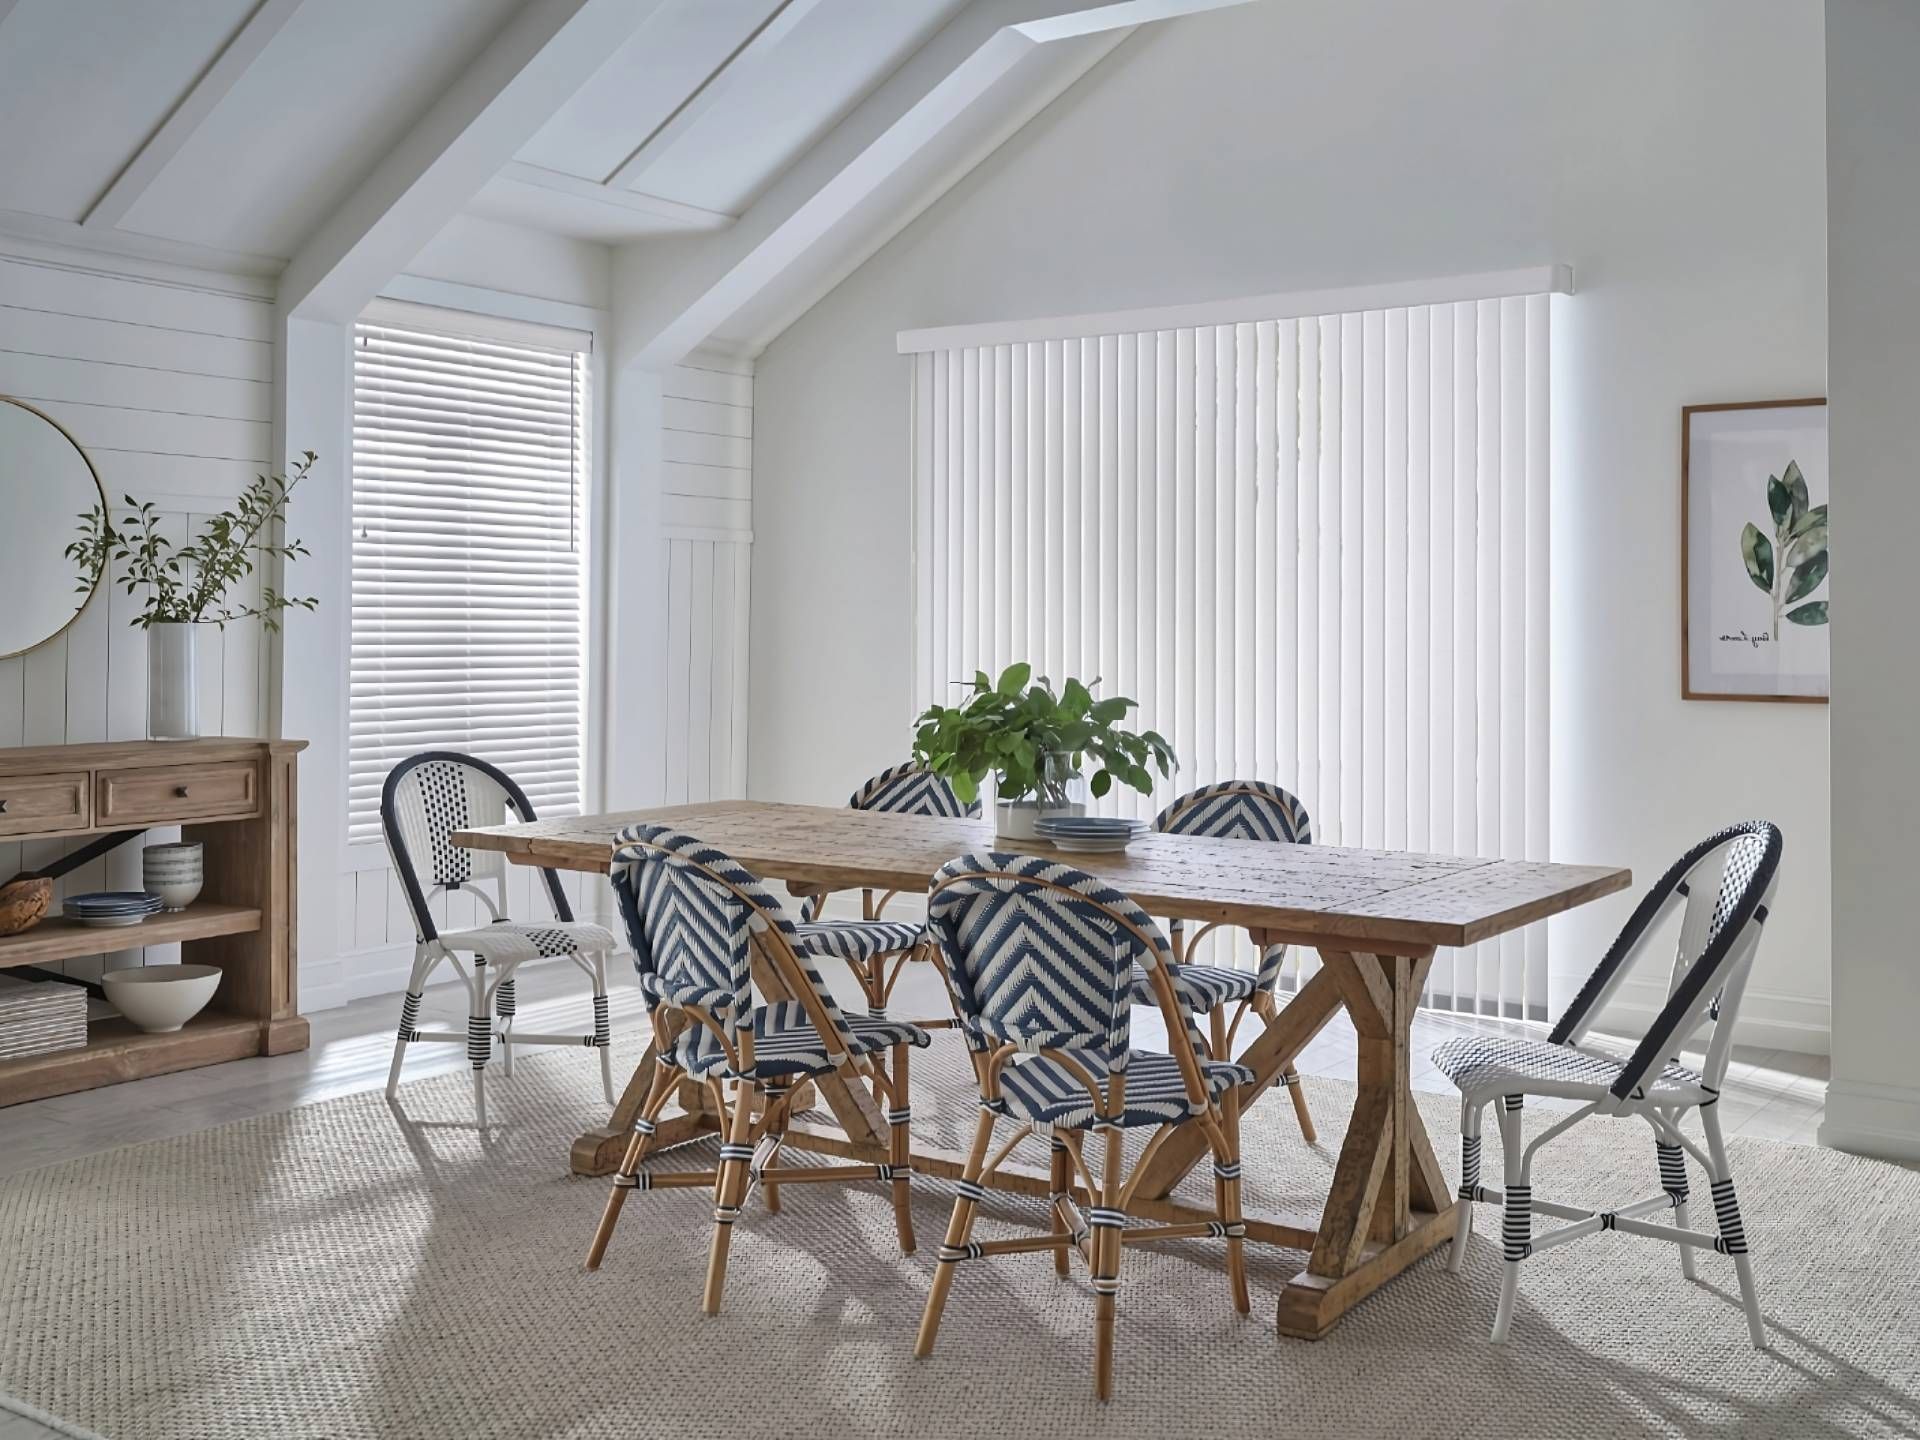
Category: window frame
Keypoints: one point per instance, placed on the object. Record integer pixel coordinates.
(472, 300)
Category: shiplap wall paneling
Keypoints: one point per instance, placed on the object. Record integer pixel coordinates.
(707, 449)
(1314, 550)
(167, 383)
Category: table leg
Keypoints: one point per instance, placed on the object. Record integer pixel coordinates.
(1388, 1205)
(598, 1151)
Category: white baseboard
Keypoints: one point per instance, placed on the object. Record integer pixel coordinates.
(1769, 1019)
(1878, 1120)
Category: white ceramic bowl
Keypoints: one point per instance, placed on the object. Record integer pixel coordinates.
(174, 873)
(161, 998)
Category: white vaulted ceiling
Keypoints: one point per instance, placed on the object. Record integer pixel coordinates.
(742, 155)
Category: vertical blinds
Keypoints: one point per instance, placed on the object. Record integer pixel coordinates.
(1314, 550)
(469, 467)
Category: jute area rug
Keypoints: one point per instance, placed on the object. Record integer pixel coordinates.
(359, 1269)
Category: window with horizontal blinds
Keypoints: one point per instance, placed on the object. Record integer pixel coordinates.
(1314, 549)
(469, 576)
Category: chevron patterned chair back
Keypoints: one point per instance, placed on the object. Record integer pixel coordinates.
(698, 920)
(1239, 810)
(1722, 890)
(906, 789)
(1041, 960)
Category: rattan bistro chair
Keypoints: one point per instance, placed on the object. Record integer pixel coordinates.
(1723, 888)
(1233, 810)
(1039, 960)
(428, 797)
(877, 950)
(696, 918)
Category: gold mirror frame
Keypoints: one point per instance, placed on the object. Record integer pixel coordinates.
(86, 460)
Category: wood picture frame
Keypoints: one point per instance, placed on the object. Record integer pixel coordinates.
(1726, 451)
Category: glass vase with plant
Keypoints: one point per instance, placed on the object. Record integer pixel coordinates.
(191, 583)
(1036, 743)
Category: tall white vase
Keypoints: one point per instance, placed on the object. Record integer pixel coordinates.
(173, 681)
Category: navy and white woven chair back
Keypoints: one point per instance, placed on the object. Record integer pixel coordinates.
(1039, 954)
(426, 799)
(1723, 888)
(692, 914)
(910, 789)
(907, 789)
(1241, 810)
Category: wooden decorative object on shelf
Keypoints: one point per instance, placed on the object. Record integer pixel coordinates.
(234, 796)
(23, 903)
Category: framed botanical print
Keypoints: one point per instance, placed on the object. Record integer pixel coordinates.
(1753, 551)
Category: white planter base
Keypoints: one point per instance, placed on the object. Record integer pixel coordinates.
(173, 682)
(1013, 820)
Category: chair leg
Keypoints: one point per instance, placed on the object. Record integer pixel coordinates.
(959, 1227)
(1217, 1028)
(409, 1015)
(1733, 1234)
(1227, 1170)
(665, 1078)
(1673, 1179)
(1516, 1226)
(479, 1037)
(734, 1156)
(873, 980)
(1060, 1186)
(1106, 1220)
(900, 1150)
(602, 1025)
(505, 1003)
(1291, 1079)
(1470, 1114)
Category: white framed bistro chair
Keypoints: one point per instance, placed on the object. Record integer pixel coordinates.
(1721, 890)
(1040, 960)
(877, 949)
(426, 799)
(697, 919)
(1233, 810)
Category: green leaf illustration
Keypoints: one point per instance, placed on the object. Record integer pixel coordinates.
(1816, 516)
(1807, 577)
(1804, 544)
(1814, 612)
(1780, 502)
(1757, 551)
(1796, 484)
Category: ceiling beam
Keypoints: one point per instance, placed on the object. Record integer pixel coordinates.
(533, 66)
(692, 217)
(667, 312)
(172, 134)
(754, 50)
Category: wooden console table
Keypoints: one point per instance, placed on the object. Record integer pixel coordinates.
(236, 797)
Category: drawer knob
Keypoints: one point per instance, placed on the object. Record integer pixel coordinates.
(181, 791)
(3, 805)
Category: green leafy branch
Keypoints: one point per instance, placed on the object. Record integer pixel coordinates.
(192, 583)
(1800, 544)
(1018, 730)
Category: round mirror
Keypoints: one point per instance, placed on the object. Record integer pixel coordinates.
(46, 484)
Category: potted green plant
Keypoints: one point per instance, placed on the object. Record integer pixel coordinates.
(1036, 744)
(188, 585)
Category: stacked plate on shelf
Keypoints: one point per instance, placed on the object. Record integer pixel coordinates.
(112, 908)
(39, 1017)
(1089, 834)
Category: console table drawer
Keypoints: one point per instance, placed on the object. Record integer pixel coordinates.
(175, 793)
(42, 804)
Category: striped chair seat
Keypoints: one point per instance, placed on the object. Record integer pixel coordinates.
(513, 941)
(786, 1042)
(1488, 1066)
(855, 939)
(1039, 1088)
(1201, 988)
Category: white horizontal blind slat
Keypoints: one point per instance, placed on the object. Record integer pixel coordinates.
(469, 608)
(1314, 549)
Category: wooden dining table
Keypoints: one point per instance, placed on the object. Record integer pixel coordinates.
(1375, 917)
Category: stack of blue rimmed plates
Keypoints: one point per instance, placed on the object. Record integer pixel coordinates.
(1089, 834)
(110, 908)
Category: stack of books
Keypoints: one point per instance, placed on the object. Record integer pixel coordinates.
(38, 1017)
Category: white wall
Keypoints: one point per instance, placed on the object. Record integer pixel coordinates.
(511, 259)
(1873, 113)
(1314, 143)
(165, 378)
